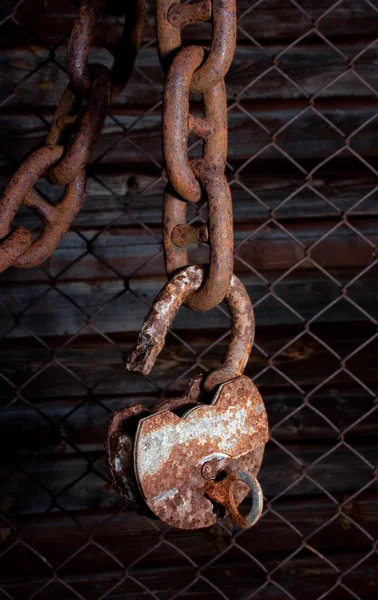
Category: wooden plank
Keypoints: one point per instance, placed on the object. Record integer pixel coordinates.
(129, 251)
(139, 194)
(94, 362)
(56, 426)
(311, 64)
(270, 20)
(129, 535)
(303, 571)
(308, 137)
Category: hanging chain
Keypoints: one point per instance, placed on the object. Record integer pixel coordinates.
(203, 287)
(81, 110)
(167, 458)
(194, 69)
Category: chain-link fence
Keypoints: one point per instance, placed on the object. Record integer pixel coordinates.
(303, 169)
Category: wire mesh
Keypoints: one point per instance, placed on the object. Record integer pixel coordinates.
(303, 99)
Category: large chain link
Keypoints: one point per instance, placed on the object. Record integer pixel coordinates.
(194, 69)
(81, 109)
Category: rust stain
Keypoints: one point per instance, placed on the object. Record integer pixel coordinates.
(170, 451)
(192, 467)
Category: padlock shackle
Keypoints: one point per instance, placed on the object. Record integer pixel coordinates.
(152, 335)
(222, 492)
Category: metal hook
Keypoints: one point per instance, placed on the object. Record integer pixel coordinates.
(152, 335)
(222, 492)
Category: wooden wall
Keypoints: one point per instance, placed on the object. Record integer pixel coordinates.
(65, 327)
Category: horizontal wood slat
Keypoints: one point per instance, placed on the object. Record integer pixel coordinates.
(306, 238)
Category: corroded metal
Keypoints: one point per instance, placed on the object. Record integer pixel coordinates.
(190, 69)
(13, 246)
(176, 121)
(170, 18)
(81, 111)
(124, 51)
(223, 493)
(120, 438)
(182, 15)
(222, 47)
(19, 249)
(183, 235)
(177, 125)
(89, 128)
(23, 180)
(81, 39)
(220, 236)
(119, 447)
(185, 461)
(170, 459)
(56, 219)
(220, 231)
(152, 335)
(192, 460)
(170, 452)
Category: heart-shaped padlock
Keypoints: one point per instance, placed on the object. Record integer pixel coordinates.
(193, 459)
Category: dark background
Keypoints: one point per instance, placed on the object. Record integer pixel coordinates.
(303, 169)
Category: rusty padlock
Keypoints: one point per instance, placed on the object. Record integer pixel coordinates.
(192, 460)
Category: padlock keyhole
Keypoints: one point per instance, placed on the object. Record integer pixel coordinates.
(217, 509)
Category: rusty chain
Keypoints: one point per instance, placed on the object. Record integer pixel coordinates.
(173, 484)
(194, 69)
(333, 551)
(81, 111)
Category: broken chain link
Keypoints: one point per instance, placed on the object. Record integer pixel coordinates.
(81, 109)
(193, 69)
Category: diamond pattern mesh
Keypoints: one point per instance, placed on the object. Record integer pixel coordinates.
(303, 100)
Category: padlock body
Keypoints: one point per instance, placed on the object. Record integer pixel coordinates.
(120, 441)
(171, 453)
(119, 446)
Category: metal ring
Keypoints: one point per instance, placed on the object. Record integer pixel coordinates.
(174, 214)
(33, 167)
(81, 38)
(89, 129)
(152, 335)
(178, 123)
(220, 228)
(257, 502)
(182, 15)
(13, 246)
(57, 221)
(124, 52)
(222, 45)
(222, 492)
(168, 36)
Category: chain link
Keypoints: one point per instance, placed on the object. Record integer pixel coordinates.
(81, 110)
(172, 17)
(322, 405)
(193, 69)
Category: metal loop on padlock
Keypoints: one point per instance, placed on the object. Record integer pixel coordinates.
(222, 492)
(152, 335)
